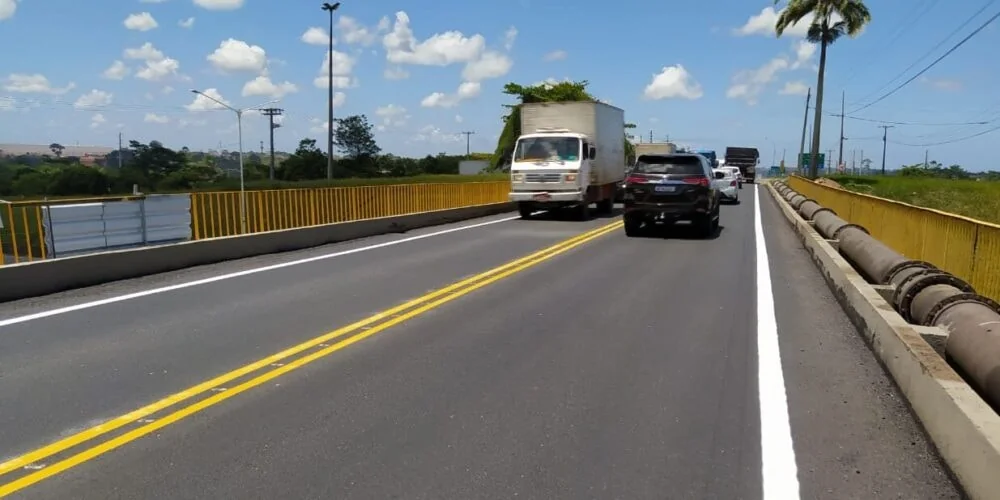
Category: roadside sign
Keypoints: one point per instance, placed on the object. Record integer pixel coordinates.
(804, 160)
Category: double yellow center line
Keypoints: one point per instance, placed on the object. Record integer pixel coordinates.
(146, 420)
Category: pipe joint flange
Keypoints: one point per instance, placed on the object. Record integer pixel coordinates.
(822, 210)
(836, 234)
(897, 294)
(919, 282)
(796, 203)
(907, 264)
(954, 300)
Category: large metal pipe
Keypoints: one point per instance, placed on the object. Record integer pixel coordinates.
(828, 223)
(809, 208)
(871, 256)
(796, 201)
(973, 326)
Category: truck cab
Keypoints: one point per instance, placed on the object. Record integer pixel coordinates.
(551, 169)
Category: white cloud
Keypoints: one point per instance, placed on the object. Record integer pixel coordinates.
(186, 23)
(673, 82)
(202, 103)
(942, 83)
(433, 134)
(97, 120)
(392, 116)
(140, 22)
(467, 90)
(509, 37)
(316, 36)
(459, 119)
(354, 33)
(441, 49)
(152, 1)
(396, 73)
(34, 84)
(219, 4)
(7, 9)
(117, 71)
(155, 118)
(804, 52)
(489, 65)
(343, 65)
(237, 55)
(555, 55)
(93, 99)
(157, 65)
(794, 88)
(763, 24)
(748, 84)
(263, 86)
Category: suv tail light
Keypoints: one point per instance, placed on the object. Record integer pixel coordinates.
(732, 183)
(635, 179)
(701, 181)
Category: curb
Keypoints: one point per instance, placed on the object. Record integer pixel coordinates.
(965, 430)
(33, 279)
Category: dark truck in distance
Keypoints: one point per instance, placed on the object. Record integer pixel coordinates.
(746, 159)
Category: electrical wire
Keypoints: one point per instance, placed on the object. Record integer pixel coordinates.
(952, 141)
(931, 65)
(929, 52)
(920, 12)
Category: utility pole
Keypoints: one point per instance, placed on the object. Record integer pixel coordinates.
(927, 153)
(329, 78)
(829, 161)
(854, 166)
(262, 148)
(650, 136)
(468, 135)
(840, 157)
(119, 151)
(271, 113)
(805, 121)
(885, 136)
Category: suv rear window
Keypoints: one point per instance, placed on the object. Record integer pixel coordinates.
(668, 164)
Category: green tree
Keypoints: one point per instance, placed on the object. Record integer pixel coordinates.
(825, 30)
(306, 163)
(57, 149)
(154, 161)
(354, 138)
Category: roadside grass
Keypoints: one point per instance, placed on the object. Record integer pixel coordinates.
(975, 199)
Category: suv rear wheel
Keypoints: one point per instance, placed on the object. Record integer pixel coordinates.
(633, 226)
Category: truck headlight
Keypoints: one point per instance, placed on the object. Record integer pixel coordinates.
(569, 177)
(517, 178)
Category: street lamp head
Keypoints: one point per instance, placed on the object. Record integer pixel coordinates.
(329, 7)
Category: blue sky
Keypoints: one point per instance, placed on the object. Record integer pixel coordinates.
(724, 78)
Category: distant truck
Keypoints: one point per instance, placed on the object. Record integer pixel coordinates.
(569, 155)
(746, 159)
(713, 159)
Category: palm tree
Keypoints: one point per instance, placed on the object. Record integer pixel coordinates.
(825, 29)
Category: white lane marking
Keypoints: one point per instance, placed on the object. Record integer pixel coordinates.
(779, 472)
(247, 272)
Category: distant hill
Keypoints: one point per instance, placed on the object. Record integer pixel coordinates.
(43, 149)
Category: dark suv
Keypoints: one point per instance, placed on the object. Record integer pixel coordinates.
(669, 188)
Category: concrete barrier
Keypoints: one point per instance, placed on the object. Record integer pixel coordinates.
(32, 279)
(963, 427)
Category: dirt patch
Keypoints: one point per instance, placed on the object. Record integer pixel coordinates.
(829, 182)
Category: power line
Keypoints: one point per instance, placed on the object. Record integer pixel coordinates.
(903, 27)
(931, 65)
(916, 124)
(271, 113)
(952, 141)
(931, 50)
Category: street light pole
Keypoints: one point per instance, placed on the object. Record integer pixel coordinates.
(329, 121)
(239, 127)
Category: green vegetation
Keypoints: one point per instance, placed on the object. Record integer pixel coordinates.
(950, 189)
(824, 30)
(158, 169)
(545, 92)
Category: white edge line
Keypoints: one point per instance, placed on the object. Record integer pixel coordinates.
(779, 472)
(247, 272)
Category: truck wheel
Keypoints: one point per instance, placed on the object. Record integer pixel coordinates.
(524, 210)
(581, 212)
(606, 206)
(705, 226)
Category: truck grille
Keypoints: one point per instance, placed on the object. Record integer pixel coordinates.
(543, 177)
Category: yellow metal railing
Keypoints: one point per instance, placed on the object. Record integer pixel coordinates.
(217, 214)
(965, 247)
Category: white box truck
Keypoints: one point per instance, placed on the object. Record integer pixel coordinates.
(569, 155)
(655, 148)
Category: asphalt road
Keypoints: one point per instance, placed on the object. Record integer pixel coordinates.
(621, 368)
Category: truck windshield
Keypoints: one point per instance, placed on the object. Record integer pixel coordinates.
(548, 149)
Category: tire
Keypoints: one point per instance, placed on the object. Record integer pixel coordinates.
(581, 212)
(705, 226)
(606, 206)
(525, 211)
(633, 227)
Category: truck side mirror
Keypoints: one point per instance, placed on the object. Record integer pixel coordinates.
(593, 153)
